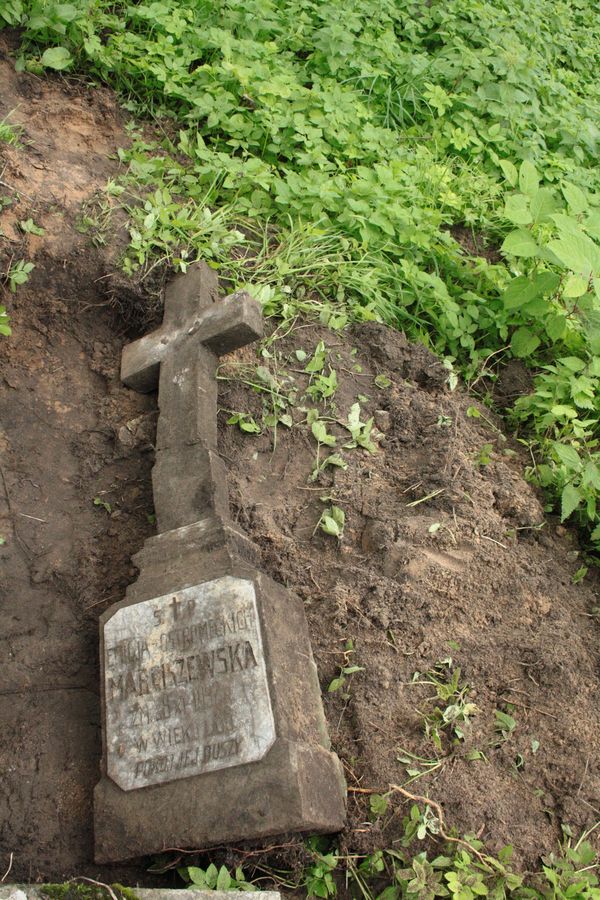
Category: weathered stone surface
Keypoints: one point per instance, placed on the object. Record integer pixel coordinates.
(297, 786)
(188, 483)
(191, 319)
(187, 399)
(185, 685)
(36, 892)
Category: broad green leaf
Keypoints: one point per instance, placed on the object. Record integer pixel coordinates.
(336, 684)
(569, 501)
(556, 327)
(197, 876)
(330, 526)
(592, 225)
(524, 342)
(578, 253)
(320, 433)
(575, 286)
(567, 455)
(528, 178)
(572, 363)
(523, 289)
(516, 209)
(223, 880)
(510, 172)
(57, 58)
(543, 204)
(575, 198)
(520, 243)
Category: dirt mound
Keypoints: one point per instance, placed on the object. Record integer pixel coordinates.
(443, 554)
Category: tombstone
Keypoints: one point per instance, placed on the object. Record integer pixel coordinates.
(213, 726)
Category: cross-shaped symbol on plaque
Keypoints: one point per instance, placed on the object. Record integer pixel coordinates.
(181, 358)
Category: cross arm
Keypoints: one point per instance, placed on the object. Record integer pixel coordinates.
(223, 327)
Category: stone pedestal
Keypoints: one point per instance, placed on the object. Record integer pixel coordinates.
(214, 729)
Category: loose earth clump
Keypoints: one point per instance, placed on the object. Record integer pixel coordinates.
(444, 561)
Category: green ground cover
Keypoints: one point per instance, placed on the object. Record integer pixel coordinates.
(342, 142)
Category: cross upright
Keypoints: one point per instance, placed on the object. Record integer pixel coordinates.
(180, 358)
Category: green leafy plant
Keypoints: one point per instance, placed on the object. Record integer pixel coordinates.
(28, 226)
(452, 714)
(332, 521)
(19, 273)
(5, 328)
(334, 176)
(9, 133)
(213, 879)
(245, 423)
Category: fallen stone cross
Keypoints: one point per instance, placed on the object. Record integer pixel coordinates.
(213, 726)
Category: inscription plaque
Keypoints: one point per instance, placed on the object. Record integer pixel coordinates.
(185, 685)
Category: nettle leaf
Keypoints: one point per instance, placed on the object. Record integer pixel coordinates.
(516, 209)
(520, 243)
(524, 342)
(569, 501)
(529, 179)
(57, 58)
(567, 455)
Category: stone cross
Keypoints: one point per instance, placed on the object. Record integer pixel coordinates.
(213, 726)
(189, 478)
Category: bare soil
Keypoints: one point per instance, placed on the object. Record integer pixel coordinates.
(488, 585)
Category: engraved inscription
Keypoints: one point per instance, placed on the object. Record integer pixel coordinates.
(185, 685)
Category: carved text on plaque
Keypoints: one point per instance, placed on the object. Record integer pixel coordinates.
(185, 685)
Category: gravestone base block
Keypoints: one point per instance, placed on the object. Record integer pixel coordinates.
(214, 727)
(295, 788)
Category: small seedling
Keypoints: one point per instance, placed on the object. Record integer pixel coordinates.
(28, 226)
(360, 431)
(245, 422)
(346, 669)
(322, 387)
(5, 328)
(382, 382)
(579, 574)
(2, 540)
(10, 134)
(98, 501)
(19, 274)
(379, 805)
(437, 526)
(332, 521)
(505, 725)
(213, 879)
(317, 361)
(418, 766)
(318, 879)
(454, 712)
(333, 460)
(484, 457)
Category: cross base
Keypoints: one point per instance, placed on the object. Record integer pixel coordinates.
(297, 784)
